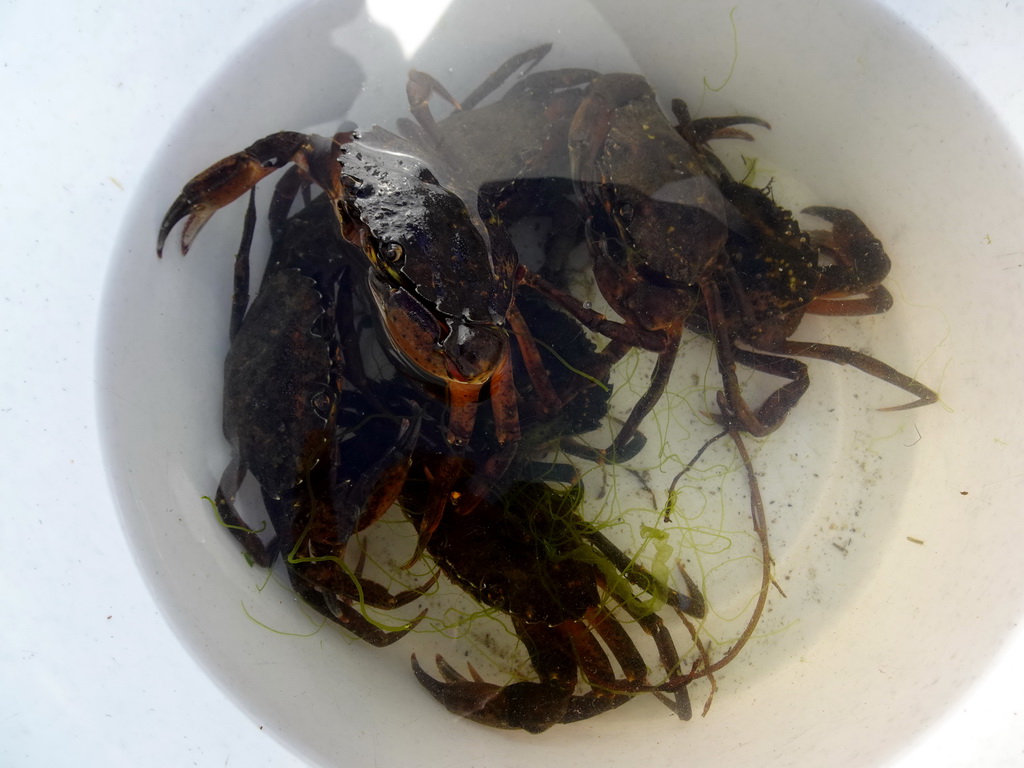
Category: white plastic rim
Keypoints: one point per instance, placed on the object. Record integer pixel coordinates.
(864, 115)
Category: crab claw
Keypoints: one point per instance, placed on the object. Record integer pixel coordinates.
(705, 129)
(534, 707)
(678, 702)
(354, 621)
(230, 178)
(855, 245)
(861, 264)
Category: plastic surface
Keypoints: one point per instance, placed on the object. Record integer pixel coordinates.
(889, 677)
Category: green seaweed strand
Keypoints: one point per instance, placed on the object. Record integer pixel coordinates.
(583, 374)
(229, 526)
(254, 620)
(735, 56)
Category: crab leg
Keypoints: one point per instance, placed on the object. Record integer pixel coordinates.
(549, 400)
(356, 623)
(224, 500)
(625, 651)
(240, 291)
(866, 363)
(341, 612)
(692, 604)
(532, 706)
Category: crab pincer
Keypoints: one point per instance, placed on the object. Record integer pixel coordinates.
(228, 179)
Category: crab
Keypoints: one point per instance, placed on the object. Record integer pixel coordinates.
(439, 271)
(291, 426)
(678, 244)
(527, 553)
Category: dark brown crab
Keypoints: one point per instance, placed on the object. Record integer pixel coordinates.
(438, 271)
(440, 274)
(528, 554)
(322, 477)
(678, 243)
(568, 590)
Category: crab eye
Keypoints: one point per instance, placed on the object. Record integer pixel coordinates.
(393, 252)
(492, 594)
(322, 404)
(626, 212)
